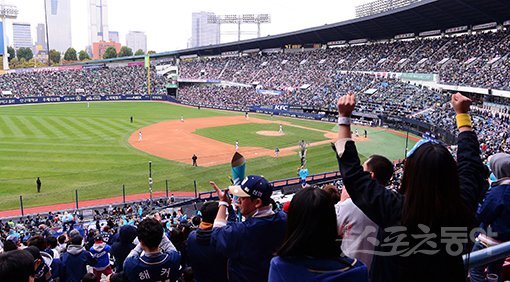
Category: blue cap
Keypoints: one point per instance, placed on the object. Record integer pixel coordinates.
(253, 186)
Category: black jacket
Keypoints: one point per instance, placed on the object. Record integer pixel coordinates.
(384, 207)
(123, 246)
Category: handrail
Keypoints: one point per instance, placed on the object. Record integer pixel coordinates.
(486, 256)
(277, 184)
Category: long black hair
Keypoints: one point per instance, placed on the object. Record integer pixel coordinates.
(311, 226)
(432, 191)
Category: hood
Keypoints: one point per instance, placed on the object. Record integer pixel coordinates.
(99, 247)
(47, 258)
(75, 249)
(127, 234)
(500, 165)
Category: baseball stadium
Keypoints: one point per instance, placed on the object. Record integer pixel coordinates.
(304, 118)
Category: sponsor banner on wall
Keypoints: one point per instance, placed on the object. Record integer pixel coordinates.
(282, 110)
(269, 92)
(417, 76)
(79, 98)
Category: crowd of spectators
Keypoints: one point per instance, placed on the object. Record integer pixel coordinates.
(258, 239)
(101, 81)
(479, 60)
(147, 242)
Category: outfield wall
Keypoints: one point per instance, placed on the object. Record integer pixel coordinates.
(84, 98)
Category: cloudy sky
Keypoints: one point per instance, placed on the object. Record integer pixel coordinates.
(167, 23)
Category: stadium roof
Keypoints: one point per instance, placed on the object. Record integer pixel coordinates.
(422, 16)
(418, 17)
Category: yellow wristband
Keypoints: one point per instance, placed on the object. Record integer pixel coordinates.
(463, 120)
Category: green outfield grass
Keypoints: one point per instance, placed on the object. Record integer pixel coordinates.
(247, 135)
(72, 147)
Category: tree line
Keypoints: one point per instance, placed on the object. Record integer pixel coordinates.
(24, 57)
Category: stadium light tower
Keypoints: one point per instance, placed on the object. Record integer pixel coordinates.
(240, 19)
(6, 12)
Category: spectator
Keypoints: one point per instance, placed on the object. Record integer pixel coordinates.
(75, 260)
(494, 214)
(436, 194)
(9, 245)
(249, 245)
(100, 251)
(52, 267)
(354, 227)
(153, 264)
(310, 251)
(207, 263)
(17, 265)
(62, 245)
(122, 248)
(333, 192)
(42, 270)
(51, 248)
(89, 277)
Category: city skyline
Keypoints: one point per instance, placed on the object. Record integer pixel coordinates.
(136, 40)
(59, 24)
(167, 25)
(22, 36)
(203, 32)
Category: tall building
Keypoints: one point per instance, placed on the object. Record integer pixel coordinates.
(99, 48)
(113, 36)
(203, 32)
(59, 24)
(41, 36)
(136, 40)
(98, 28)
(22, 35)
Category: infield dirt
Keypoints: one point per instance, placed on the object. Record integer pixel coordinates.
(175, 140)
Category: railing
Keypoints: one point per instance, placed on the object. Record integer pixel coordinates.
(123, 197)
(279, 184)
(488, 255)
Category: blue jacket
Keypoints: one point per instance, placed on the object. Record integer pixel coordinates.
(153, 267)
(384, 207)
(250, 245)
(100, 252)
(324, 270)
(495, 211)
(207, 263)
(74, 263)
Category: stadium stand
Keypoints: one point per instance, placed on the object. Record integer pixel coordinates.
(312, 78)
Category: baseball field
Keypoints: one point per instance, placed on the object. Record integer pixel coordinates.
(95, 149)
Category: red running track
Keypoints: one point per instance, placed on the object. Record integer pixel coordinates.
(90, 203)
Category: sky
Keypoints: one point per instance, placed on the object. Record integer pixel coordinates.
(167, 23)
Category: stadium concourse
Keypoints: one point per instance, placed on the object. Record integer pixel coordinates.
(148, 239)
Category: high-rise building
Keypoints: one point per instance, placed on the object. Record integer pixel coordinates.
(22, 35)
(99, 48)
(40, 43)
(59, 24)
(203, 32)
(113, 36)
(136, 40)
(98, 28)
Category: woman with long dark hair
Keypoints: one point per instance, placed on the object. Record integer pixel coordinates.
(310, 251)
(424, 228)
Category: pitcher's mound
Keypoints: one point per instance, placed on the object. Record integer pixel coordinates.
(270, 133)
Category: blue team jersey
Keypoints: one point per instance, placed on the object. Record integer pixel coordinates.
(162, 267)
